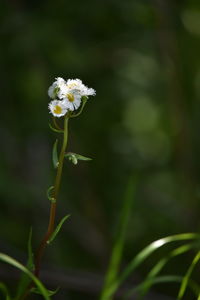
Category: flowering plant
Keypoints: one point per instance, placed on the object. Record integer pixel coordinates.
(68, 96)
(68, 99)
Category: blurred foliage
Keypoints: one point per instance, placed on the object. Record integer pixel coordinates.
(142, 58)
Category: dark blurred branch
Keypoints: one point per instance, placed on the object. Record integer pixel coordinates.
(166, 14)
(169, 50)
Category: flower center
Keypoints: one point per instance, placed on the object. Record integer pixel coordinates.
(70, 97)
(71, 85)
(57, 110)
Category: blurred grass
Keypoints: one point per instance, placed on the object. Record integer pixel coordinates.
(117, 251)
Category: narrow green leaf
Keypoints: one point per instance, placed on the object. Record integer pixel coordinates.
(167, 278)
(145, 253)
(174, 278)
(55, 130)
(141, 256)
(113, 268)
(187, 276)
(159, 279)
(56, 231)
(11, 261)
(49, 196)
(50, 293)
(4, 290)
(74, 157)
(55, 154)
(149, 281)
(81, 157)
(25, 279)
(163, 279)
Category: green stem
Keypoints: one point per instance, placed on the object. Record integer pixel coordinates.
(52, 215)
(80, 111)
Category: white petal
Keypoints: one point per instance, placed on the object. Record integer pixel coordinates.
(69, 105)
(91, 92)
(77, 103)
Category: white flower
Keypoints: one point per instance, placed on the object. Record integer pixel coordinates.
(76, 85)
(69, 94)
(72, 100)
(58, 108)
(56, 89)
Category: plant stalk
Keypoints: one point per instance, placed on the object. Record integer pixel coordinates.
(52, 215)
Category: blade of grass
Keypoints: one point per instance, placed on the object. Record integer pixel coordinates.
(165, 279)
(25, 279)
(148, 282)
(11, 261)
(187, 276)
(116, 254)
(156, 280)
(144, 254)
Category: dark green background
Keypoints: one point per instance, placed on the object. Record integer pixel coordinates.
(142, 58)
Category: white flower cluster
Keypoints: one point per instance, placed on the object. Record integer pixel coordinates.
(67, 95)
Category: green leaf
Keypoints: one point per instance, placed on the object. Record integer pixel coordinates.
(187, 276)
(163, 279)
(56, 231)
(174, 278)
(81, 157)
(145, 253)
(117, 251)
(11, 261)
(160, 279)
(55, 155)
(4, 290)
(74, 157)
(25, 279)
(50, 293)
(55, 130)
(50, 189)
(149, 281)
